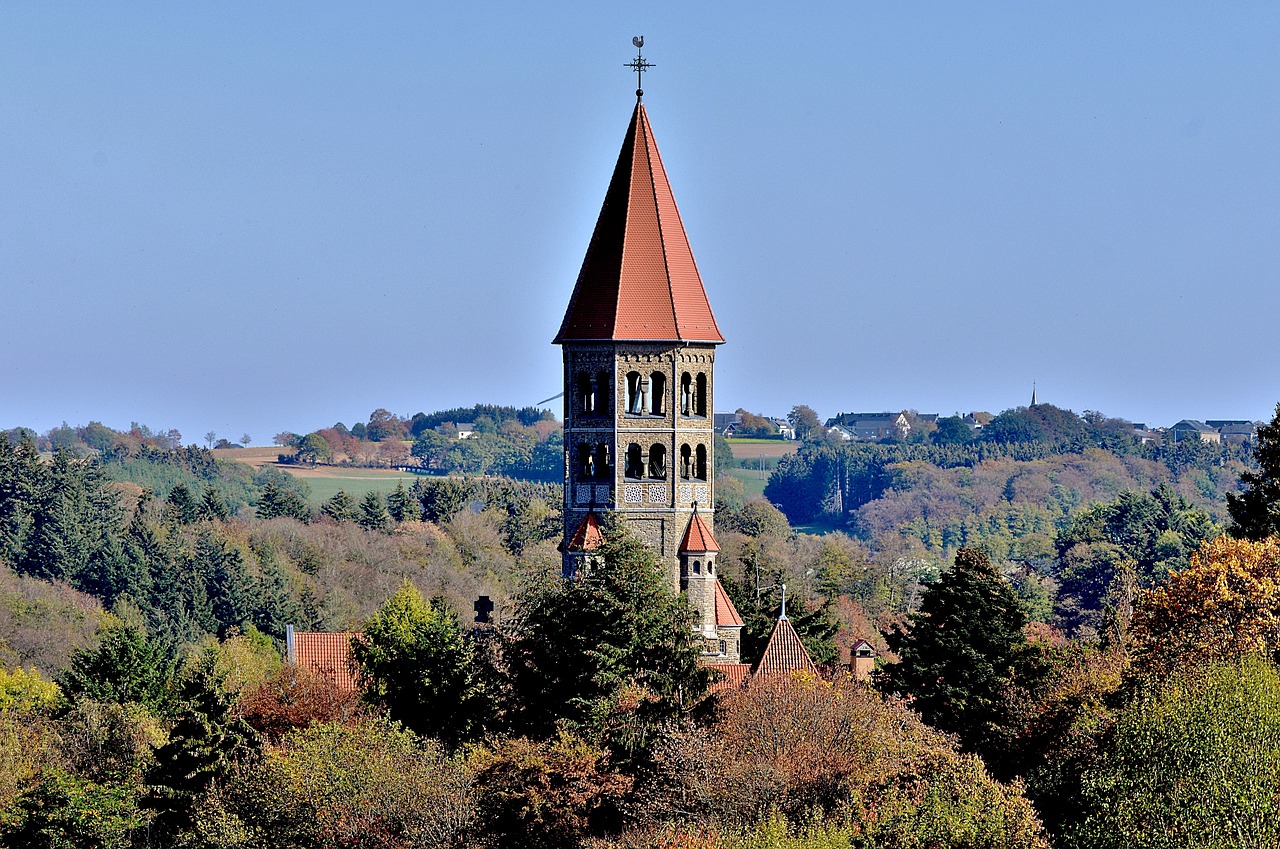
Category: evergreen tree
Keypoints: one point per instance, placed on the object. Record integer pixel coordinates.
(579, 644)
(277, 500)
(212, 507)
(416, 661)
(181, 506)
(206, 739)
(373, 512)
(341, 507)
(402, 505)
(125, 666)
(959, 651)
(226, 579)
(1255, 512)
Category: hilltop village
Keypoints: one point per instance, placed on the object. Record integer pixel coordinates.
(484, 627)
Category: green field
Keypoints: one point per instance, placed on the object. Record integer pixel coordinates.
(324, 482)
(753, 481)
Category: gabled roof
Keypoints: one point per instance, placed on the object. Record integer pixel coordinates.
(726, 613)
(588, 536)
(1192, 424)
(784, 652)
(639, 281)
(327, 654)
(698, 537)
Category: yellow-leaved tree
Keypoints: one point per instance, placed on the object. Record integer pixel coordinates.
(1224, 606)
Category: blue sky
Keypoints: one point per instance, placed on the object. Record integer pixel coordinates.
(235, 218)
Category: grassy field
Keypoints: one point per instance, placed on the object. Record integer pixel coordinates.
(325, 481)
(752, 481)
(255, 457)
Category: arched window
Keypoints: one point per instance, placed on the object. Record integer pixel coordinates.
(700, 463)
(604, 398)
(658, 393)
(586, 395)
(711, 568)
(686, 394)
(686, 461)
(635, 465)
(700, 397)
(658, 462)
(602, 461)
(697, 568)
(635, 393)
(586, 462)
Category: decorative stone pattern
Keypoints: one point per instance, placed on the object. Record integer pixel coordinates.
(702, 493)
(582, 495)
(657, 495)
(632, 493)
(685, 493)
(604, 494)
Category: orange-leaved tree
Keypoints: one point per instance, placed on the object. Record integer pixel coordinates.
(1225, 605)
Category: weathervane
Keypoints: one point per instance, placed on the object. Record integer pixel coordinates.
(639, 66)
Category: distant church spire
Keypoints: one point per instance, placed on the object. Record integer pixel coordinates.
(1033, 393)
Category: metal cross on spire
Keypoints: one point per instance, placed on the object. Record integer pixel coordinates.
(639, 65)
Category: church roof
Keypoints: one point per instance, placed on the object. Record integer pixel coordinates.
(639, 281)
(698, 537)
(726, 613)
(587, 537)
(784, 652)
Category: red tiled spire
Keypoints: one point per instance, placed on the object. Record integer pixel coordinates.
(698, 537)
(639, 281)
(784, 652)
(588, 536)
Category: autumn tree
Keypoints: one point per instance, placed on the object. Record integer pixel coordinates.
(959, 651)
(1225, 605)
(1255, 512)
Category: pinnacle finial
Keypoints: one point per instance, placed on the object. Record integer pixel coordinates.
(783, 614)
(639, 65)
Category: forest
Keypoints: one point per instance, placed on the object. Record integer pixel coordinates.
(1077, 639)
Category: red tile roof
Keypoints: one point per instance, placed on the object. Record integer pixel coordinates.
(726, 613)
(734, 675)
(327, 654)
(698, 537)
(784, 652)
(639, 281)
(587, 537)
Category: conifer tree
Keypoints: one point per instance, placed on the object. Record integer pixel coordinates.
(277, 500)
(373, 511)
(212, 507)
(959, 651)
(402, 505)
(341, 507)
(126, 666)
(206, 739)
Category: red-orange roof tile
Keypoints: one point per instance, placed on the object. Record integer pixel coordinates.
(734, 675)
(698, 537)
(327, 654)
(639, 281)
(726, 613)
(784, 652)
(588, 536)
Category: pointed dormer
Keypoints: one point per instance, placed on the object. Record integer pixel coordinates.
(583, 544)
(639, 281)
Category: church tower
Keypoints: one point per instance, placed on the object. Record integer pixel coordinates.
(639, 342)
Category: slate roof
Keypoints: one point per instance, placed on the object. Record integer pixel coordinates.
(327, 654)
(726, 613)
(639, 281)
(698, 537)
(784, 652)
(588, 536)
